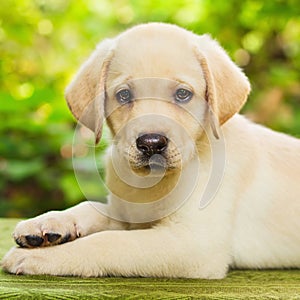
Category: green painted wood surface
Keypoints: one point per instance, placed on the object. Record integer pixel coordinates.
(277, 284)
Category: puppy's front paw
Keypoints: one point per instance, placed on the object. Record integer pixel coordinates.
(70, 259)
(49, 229)
(21, 261)
(36, 261)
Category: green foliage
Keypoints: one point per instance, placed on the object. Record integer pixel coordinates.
(43, 42)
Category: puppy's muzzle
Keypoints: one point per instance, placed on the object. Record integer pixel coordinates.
(153, 146)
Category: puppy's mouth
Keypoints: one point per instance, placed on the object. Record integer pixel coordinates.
(156, 162)
(156, 165)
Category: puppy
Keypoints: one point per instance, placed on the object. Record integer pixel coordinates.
(195, 188)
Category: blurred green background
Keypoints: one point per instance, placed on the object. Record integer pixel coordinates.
(43, 42)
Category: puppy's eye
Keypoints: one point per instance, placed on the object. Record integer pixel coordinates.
(124, 96)
(183, 95)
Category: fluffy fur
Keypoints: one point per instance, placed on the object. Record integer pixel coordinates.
(252, 220)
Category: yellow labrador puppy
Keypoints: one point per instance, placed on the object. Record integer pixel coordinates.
(195, 188)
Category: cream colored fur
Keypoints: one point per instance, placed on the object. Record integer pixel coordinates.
(252, 222)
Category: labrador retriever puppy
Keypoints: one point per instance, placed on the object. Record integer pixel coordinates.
(195, 188)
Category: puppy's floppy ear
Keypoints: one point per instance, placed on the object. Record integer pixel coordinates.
(227, 87)
(86, 93)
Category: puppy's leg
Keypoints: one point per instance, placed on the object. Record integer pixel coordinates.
(58, 227)
(156, 252)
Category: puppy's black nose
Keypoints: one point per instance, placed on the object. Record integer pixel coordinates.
(152, 143)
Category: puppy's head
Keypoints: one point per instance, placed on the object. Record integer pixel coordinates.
(158, 86)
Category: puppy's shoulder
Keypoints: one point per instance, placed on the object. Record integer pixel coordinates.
(240, 130)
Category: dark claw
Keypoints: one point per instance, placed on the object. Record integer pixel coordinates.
(65, 239)
(53, 237)
(20, 243)
(34, 240)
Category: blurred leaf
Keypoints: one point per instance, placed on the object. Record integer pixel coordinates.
(18, 169)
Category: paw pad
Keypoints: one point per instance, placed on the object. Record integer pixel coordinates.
(52, 237)
(34, 240)
(65, 239)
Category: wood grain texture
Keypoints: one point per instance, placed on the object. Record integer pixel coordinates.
(272, 284)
